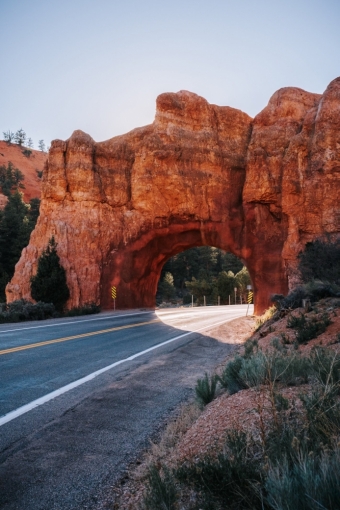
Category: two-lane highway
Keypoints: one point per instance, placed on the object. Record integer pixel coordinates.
(36, 360)
(80, 396)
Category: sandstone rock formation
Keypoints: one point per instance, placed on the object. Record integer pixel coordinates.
(201, 174)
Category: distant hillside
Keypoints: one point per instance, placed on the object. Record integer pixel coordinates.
(29, 166)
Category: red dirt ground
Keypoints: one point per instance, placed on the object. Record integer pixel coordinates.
(28, 166)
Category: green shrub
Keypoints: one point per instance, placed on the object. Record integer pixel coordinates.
(320, 260)
(256, 370)
(295, 321)
(291, 301)
(292, 369)
(22, 310)
(264, 368)
(161, 493)
(231, 480)
(312, 329)
(250, 347)
(312, 483)
(290, 462)
(313, 290)
(326, 366)
(27, 152)
(323, 415)
(308, 329)
(83, 310)
(206, 389)
(283, 442)
(260, 368)
(246, 372)
(230, 378)
(49, 284)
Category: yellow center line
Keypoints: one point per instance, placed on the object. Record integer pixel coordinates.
(75, 337)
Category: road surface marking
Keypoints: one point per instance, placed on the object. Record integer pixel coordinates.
(74, 337)
(55, 325)
(46, 398)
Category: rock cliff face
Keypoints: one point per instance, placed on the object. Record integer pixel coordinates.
(199, 175)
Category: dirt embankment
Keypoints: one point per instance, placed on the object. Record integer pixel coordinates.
(31, 167)
(194, 433)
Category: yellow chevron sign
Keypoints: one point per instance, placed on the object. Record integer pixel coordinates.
(113, 292)
(250, 297)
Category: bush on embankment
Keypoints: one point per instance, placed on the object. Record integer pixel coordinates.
(293, 461)
(22, 310)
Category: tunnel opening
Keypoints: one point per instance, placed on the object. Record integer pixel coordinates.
(135, 268)
(203, 275)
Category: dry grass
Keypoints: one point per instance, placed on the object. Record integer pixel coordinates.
(173, 433)
(268, 314)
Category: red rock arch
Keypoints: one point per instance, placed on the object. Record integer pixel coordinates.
(135, 270)
(199, 175)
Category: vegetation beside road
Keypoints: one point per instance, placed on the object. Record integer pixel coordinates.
(286, 380)
(17, 220)
(289, 458)
(23, 310)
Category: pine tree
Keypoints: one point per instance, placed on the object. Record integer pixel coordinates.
(49, 284)
(30, 143)
(33, 211)
(10, 179)
(16, 224)
(20, 137)
(41, 145)
(166, 287)
(14, 232)
(8, 136)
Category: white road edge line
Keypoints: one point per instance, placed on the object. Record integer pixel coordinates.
(75, 322)
(46, 398)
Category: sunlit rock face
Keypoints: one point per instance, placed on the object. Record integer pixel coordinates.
(201, 174)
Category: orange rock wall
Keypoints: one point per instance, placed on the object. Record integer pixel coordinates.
(199, 175)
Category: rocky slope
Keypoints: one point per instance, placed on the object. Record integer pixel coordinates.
(201, 174)
(192, 435)
(28, 166)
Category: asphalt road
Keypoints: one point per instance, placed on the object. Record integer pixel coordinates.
(80, 397)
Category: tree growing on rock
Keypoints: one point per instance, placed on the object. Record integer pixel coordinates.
(8, 136)
(20, 137)
(49, 284)
(30, 143)
(10, 179)
(17, 220)
(42, 146)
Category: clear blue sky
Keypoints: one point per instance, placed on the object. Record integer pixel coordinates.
(98, 65)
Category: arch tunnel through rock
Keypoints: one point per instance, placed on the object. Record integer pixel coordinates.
(135, 270)
(199, 175)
